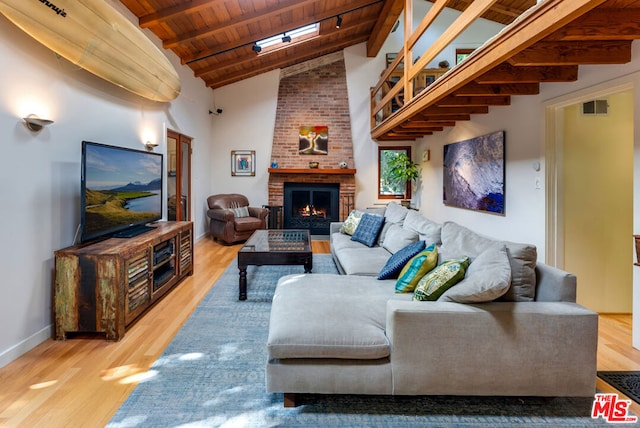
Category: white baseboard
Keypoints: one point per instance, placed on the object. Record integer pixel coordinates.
(25, 346)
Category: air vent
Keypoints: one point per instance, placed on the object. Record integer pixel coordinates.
(596, 108)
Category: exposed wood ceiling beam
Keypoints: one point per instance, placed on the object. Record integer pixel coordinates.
(473, 89)
(507, 73)
(186, 7)
(568, 53)
(454, 101)
(603, 24)
(381, 30)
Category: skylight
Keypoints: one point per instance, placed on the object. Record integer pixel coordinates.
(298, 32)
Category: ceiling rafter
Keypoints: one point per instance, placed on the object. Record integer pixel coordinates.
(165, 14)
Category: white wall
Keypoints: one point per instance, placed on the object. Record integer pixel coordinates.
(246, 123)
(40, 173)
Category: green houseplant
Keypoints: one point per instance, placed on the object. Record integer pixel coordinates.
(401, 170)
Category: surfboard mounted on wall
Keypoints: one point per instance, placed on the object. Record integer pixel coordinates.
(96, 37)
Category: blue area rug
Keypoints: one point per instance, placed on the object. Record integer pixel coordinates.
(212, 375)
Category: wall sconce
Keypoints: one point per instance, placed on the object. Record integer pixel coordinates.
(34, 123)
(150, 145)
(339, 21)
(256, 48)
(286, 39)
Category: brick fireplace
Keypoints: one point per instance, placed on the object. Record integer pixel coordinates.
(314, 94)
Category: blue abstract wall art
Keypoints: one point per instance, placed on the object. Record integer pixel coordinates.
(474, 173)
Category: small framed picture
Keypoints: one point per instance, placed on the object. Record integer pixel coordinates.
(243, 163)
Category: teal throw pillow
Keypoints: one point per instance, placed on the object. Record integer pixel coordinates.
(416, 268)
(368, 229)
(351, 223)
(439, 280)
(396, 262)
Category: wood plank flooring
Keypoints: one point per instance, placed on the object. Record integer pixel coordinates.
(81, 382)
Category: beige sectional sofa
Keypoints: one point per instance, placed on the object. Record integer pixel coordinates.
(353, 334)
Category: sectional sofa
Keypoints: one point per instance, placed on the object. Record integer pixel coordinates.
(510, 327)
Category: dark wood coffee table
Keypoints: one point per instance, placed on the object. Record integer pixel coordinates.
(274, 247)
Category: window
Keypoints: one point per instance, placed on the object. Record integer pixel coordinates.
(293, 36)
(389, 188)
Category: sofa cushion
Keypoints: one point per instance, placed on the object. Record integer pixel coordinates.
(345, 325)
(340, 241)
(459, 241)
(351, 223)
(362, 260)
(396, 262)
(428, 231)
(395, 213)
(368, 229)
(488, 277)
(398, 238)
(240, 212)
(440, 279)
(416, 268)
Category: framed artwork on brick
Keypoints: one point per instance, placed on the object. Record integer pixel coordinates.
(313, 140)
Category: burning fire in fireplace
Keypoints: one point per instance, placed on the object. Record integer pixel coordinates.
(311, 211)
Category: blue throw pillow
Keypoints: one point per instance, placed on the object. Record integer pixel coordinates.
(400, 258)
(368, 229)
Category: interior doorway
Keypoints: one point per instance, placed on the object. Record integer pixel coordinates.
(590, 195)
(178, 176)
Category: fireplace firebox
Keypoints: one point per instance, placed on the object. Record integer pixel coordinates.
(311, 206)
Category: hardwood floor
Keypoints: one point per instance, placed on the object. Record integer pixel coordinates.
(81, 382)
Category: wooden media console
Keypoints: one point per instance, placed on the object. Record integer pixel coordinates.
(103, 287)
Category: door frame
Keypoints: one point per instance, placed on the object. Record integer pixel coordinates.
(554, 157)
(180, 138)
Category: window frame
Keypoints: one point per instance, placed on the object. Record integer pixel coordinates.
(407, 191)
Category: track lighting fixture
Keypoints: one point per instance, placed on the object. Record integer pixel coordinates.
(339, 21)
(286, 39)
(256, 48)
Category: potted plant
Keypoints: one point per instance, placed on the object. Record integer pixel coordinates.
(401, 169)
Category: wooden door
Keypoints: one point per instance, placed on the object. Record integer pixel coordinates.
(178, 177)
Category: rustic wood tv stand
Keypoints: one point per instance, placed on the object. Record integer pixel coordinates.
(103, 287)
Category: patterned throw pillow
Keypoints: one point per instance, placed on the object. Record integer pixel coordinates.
(351, 223)
(368, 229)
(439, 280)
(416, 268)
(240, 212)
(400, 258)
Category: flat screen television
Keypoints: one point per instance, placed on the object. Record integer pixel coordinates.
(121, 191)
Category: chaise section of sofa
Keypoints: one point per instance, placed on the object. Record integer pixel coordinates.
(354, 334)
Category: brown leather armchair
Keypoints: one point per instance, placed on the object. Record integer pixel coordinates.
(223, 223)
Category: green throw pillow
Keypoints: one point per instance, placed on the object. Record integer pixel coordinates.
(416, 268)
(439, 280)
(351, 223)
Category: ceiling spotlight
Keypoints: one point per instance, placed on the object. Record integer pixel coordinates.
(339, 21)
(286, 39)
(256, 48)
